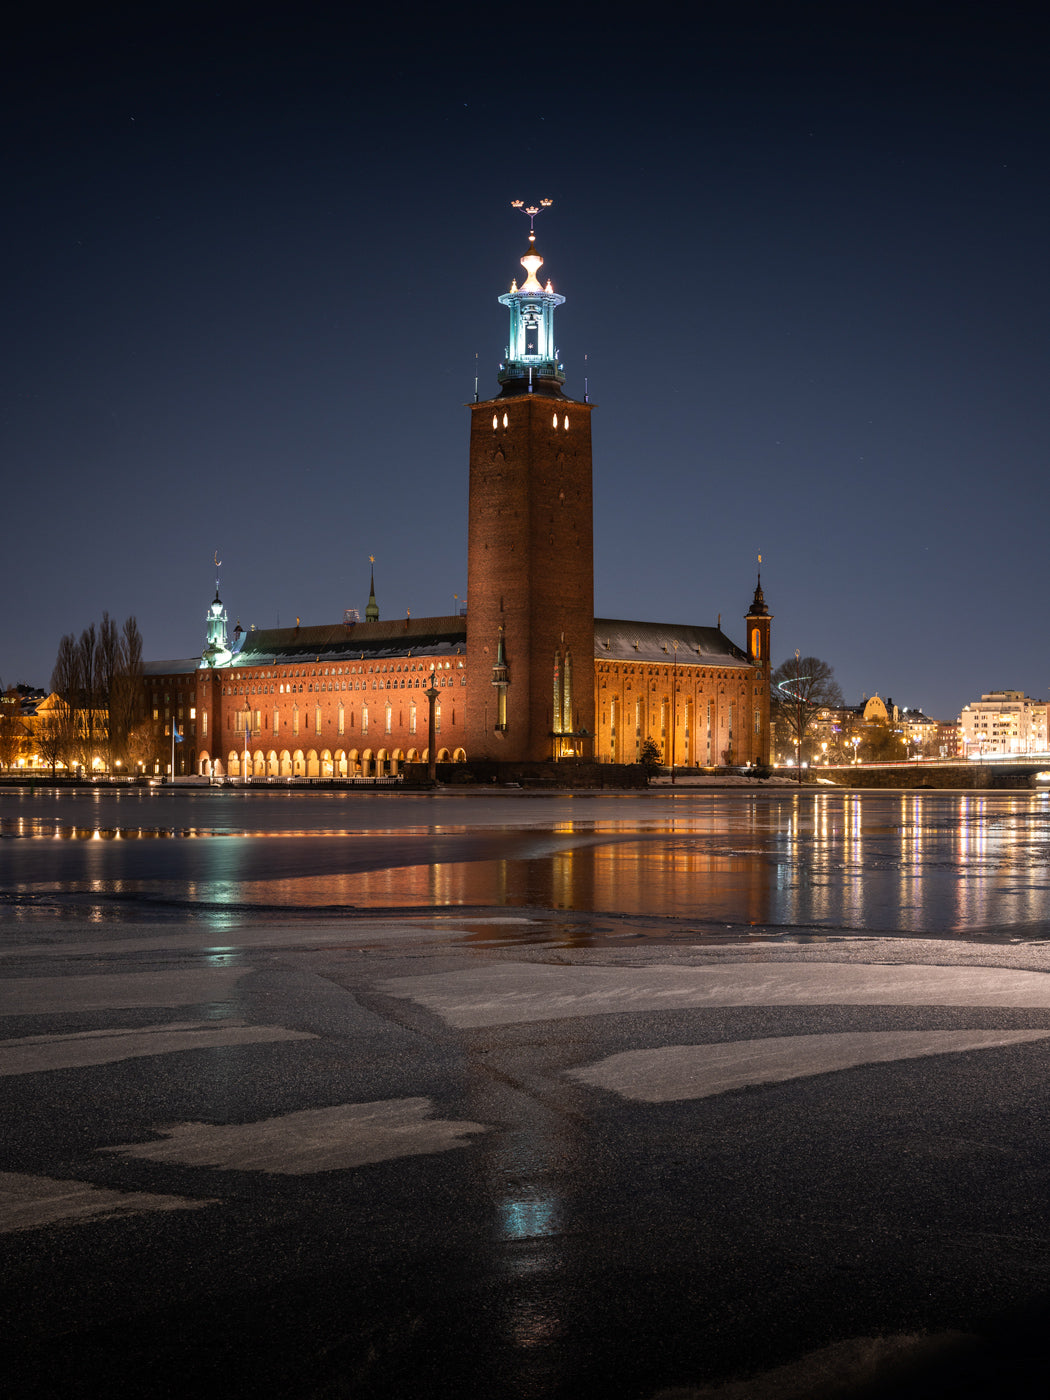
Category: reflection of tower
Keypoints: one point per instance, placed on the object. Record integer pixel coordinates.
(530, 560)
(757, 621)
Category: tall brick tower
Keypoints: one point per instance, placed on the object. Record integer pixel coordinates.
(530, 559)
(757, 622)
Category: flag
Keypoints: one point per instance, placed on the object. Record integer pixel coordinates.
(175, 734)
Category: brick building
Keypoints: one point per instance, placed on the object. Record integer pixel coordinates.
(527, 675)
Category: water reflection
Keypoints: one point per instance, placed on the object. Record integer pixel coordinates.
(823, 860)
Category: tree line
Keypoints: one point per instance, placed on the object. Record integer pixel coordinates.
(100, 700)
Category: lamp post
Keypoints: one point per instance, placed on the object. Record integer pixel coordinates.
(432, 695)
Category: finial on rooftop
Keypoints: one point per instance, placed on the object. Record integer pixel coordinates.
(532, 211)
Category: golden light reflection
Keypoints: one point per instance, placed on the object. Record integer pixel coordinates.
(918, 862)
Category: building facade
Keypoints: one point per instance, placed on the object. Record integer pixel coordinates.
(527, 675)
(1003, 722)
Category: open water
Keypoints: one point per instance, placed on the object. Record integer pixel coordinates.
(714, 863)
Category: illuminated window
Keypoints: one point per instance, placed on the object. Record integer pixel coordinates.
(495, 421)
(566, 424)
(412, 718)
(342, 718)
(504, 420)
(364, 719)
(295, 719)
(317, 719)
(389, 719)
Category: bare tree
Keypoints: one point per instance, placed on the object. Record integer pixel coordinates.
(125, 691)
(107, 667)
(141, 748)
(61, 725)
(801, 687)
(98, 676)
(51, 735)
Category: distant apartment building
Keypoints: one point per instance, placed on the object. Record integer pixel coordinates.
(1003, 722)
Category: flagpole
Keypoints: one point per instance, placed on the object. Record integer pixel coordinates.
(173, 728)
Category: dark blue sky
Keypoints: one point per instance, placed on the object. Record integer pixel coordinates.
(251, 253)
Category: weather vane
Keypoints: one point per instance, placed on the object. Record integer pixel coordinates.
(532, 211)
(218, 566)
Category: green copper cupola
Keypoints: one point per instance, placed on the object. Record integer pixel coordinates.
(531, 365)
(217, 648)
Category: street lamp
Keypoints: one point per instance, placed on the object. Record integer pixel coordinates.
(432, 695)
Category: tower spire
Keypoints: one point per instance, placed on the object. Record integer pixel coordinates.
(758, 603)
(372, 611)
(531, 365)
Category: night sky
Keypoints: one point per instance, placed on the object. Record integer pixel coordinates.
(251, 252)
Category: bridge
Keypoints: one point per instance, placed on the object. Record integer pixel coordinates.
(1000, 771)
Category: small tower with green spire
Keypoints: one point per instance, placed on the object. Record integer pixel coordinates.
(216, 648)
(372, 611)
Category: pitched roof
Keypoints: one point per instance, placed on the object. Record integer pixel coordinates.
(352, 641)
(616, 639)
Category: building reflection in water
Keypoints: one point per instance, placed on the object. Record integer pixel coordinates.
(814, 861)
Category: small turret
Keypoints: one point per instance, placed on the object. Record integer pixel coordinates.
(217, 648)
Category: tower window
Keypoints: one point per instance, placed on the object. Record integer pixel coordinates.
(495, 421)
